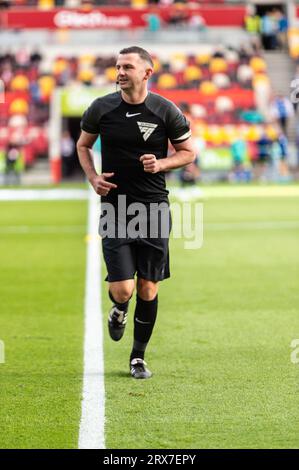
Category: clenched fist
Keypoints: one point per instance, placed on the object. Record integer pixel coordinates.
(150, 163)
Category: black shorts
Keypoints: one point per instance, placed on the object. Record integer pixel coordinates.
(146, 256)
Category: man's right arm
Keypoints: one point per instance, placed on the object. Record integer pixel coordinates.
(84, 149)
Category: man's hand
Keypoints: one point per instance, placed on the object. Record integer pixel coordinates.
(150, 163)
(101, 186)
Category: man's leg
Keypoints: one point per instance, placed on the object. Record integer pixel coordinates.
(144, 321)
(120, 293)
(122, 290)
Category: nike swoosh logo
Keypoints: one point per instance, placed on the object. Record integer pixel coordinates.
(131, 115)
(143, 322)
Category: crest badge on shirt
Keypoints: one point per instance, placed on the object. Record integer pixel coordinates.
(146, 129)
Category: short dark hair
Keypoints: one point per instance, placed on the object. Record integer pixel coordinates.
(143, 54)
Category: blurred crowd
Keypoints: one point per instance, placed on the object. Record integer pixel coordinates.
(48, 4)
(224, 91)
(220, 76)
(269, 29)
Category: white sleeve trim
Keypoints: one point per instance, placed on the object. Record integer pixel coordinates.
(183, 137)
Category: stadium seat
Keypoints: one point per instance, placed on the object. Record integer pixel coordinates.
(87, 60)
(178, 62)
(166, 81)
(208, 88)
(157, 65)
(111, 74)
(59, 66)
(203, 59)
(19, 106)
(244, 74)
(192, 73)
(17, 120)
(221, 80)
(223, 104)
(261, 80)
(258, 64)
(217, 65)
(19, 83)
(46, 84)
(86, 76)
(219, 85)
(198, 111)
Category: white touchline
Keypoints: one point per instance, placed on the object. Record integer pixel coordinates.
(91, 433)
(254, 225)
(43, 194)
(42, 229)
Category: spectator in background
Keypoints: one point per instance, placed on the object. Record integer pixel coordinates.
(13, 164)
(189, 175)
(264, 148)
(279, 154)
(165, 3)
(134, 3)
(283, 145)
(178, 18)
(238, 149)
(239, 153)
(295, 89)
(269, 30)
(35, 57)
(281, 110)
(46, 4)
(219, 52)
(4, 4)
(283, 25)
(197, 23)
(264, 145)
(67, 154)
(252, 23)
(153, 22)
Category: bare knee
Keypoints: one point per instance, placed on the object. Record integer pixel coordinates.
(147, 290)
(122, 290)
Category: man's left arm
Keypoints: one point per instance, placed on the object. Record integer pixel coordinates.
(184, 154)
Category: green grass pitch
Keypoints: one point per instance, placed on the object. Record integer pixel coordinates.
(220, 353)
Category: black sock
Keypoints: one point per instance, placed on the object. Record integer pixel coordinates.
(123, 307)
(144, 321)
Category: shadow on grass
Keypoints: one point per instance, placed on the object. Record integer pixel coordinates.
(118, 373)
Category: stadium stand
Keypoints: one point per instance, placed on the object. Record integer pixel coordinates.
(226, 92)
(218, 88)
(49, 4)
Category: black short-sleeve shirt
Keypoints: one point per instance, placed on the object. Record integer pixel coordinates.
(127, 132)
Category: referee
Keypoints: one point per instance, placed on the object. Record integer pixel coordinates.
(135, 126)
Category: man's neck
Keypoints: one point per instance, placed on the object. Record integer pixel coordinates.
(135, 97)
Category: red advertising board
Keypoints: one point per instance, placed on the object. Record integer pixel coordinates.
(113, 18)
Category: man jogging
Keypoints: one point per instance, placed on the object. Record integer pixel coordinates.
(135, 126)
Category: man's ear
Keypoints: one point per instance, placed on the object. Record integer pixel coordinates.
(148, 74)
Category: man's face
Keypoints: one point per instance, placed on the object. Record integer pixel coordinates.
(131, 71)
